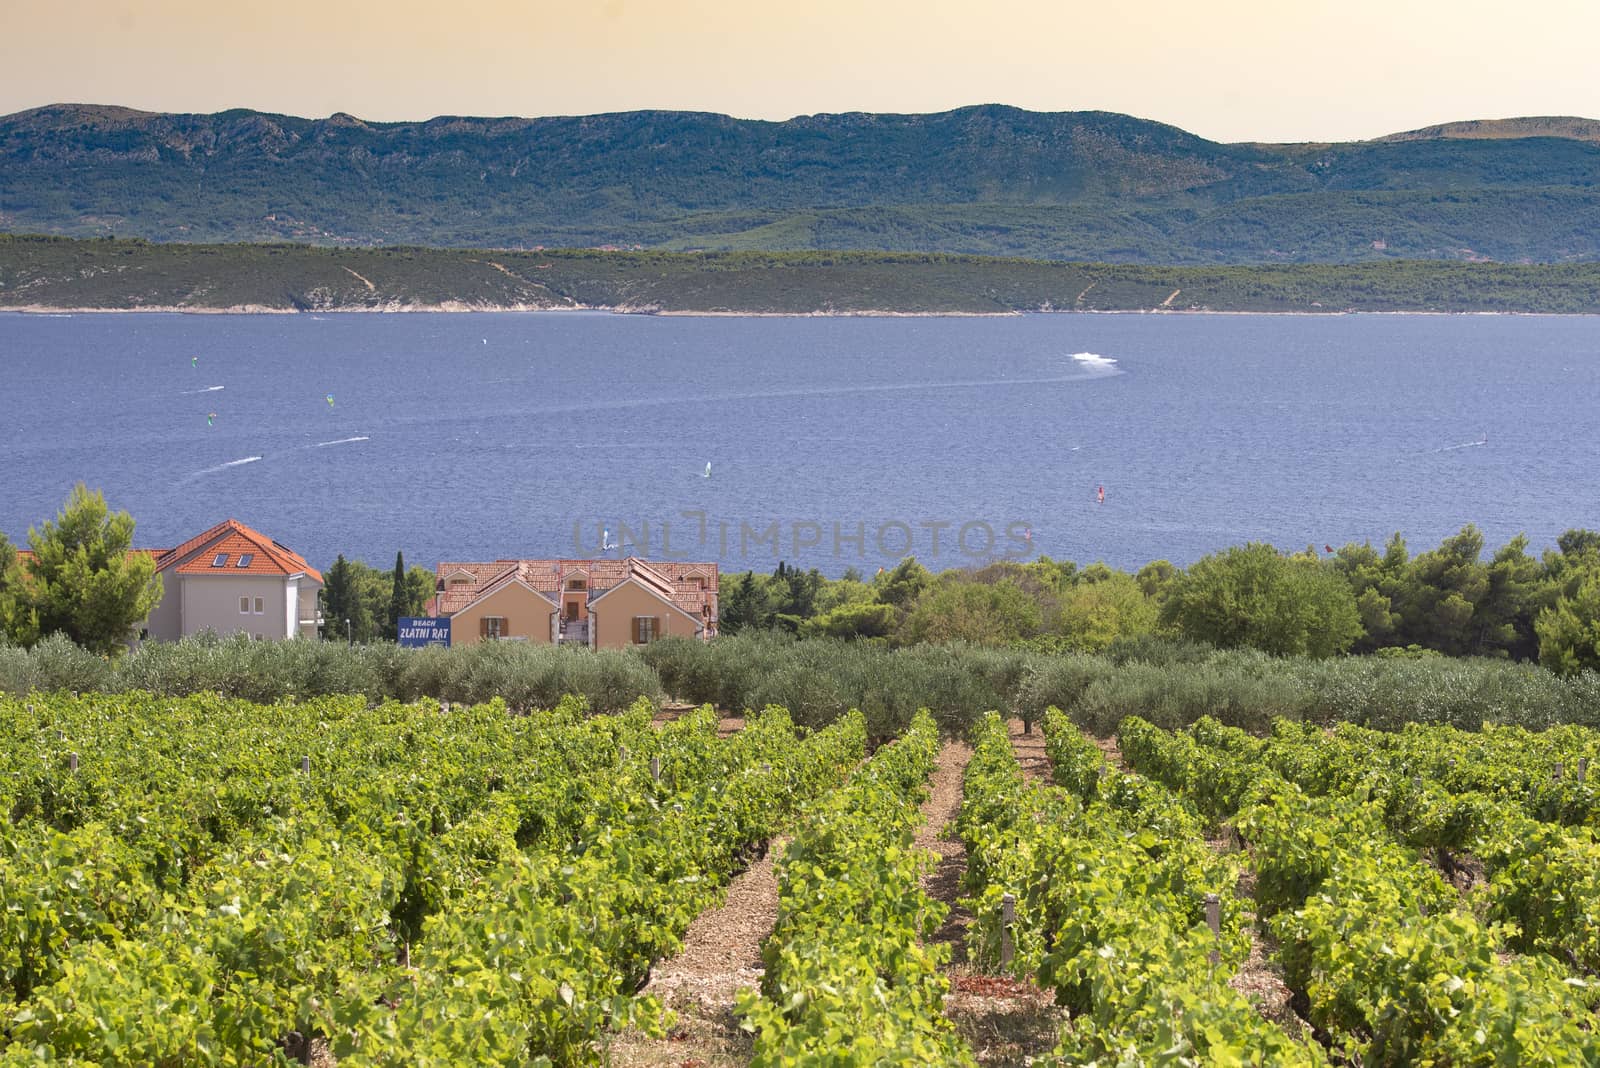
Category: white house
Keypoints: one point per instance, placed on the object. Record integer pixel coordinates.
(234, 580)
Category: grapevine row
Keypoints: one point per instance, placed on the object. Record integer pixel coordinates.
(1392, 967)
(850, 976)
(1110, 876)
(431, 872)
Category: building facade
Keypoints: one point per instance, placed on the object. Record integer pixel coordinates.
(604, 604)
(233, 580)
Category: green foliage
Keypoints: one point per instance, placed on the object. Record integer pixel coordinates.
(820, 679)
(858, 620)
(1446, 600)
(743, 606)
(851, 977)
(438, 884)
(134, 274)
(1093, 615)
(342, 605)
(1391, 962)
(1155, 579)
(974, 612)
(902, 585)
(1441, 589)
(15, 619)
(83, 581)
(399, 600)
(524, 675)
(1251, 596)
(1109, 879)
(1171, 683)
(1569, 631)
(372, 600)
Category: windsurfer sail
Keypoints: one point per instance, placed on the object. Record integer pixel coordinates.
(1100, 495)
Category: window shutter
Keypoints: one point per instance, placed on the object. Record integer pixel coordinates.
(655, 628)
(637, 636)
(483, 627)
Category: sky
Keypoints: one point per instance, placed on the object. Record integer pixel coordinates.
(1230, 70)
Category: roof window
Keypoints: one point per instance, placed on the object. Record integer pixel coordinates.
(244, 559)
(220, 560)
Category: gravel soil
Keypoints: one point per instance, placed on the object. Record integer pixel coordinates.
(1006, 1022)
(1030, 750)
(938, 833)
(721, 953)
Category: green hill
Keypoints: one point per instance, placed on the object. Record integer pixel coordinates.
(986, 180)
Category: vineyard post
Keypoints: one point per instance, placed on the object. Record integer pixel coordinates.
(1555, 772)
(305, 765)
(655, 768)
(622, 754)
(1583, 768)
(1008, 918)
(72, 763)
(1214, 921)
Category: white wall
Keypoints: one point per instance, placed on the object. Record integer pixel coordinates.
(166, 618)
(301, 603)
(211, 602)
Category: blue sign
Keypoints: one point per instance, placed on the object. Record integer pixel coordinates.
(415, 632)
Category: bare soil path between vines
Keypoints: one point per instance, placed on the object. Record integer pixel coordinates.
(1030, 750)
(938, 833)
(721, 954)
(1005, 1022)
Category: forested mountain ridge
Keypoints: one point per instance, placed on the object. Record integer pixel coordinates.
(986, 180)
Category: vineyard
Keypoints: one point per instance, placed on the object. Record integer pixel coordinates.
(208, 881)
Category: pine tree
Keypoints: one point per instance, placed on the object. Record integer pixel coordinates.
(16, 617)
(83, 581)
(741, 607)
(398, 600)
(341, 602)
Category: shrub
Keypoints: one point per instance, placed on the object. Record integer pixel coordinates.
(1170, 683)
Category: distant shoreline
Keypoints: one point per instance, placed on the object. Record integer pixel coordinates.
(53, 276)
(43, 311)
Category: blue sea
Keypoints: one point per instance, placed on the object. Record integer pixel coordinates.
(831, 442)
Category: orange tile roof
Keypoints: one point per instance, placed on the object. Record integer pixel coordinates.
(458, 595)
(230, 536)
(670, 579)
(267, 557)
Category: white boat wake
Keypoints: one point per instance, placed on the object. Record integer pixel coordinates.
(222, 467)
(340, 441)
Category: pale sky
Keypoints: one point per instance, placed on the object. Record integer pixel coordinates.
(1231, 70)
